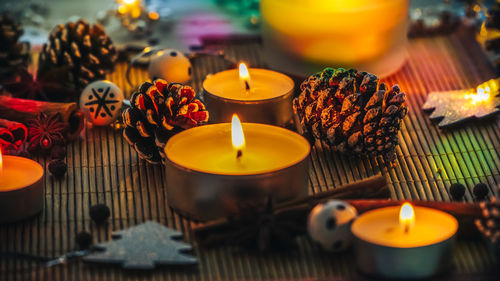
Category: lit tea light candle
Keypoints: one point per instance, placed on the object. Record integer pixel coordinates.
(212, 169)
(256, 95)
(404, 242)
(21, 188)
(302, 37)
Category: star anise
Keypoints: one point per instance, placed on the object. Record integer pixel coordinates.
(264, 228)
(45, 131)
(22, 84)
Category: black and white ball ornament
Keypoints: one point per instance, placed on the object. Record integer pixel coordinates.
(171, 65)
(102, 100)
(329, 224)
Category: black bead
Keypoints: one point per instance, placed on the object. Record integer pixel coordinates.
(99, 213)
(58, 152)
(57, 168)
(480, 191)
(83, 240)
(457, 191)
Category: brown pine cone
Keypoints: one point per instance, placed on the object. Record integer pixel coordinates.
(351, 111)
(84, 52)
(13, 54)
(158, 111)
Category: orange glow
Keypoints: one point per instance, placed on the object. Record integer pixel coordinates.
(153, 15)
(237, 136)
(244, 76)
(406, 217)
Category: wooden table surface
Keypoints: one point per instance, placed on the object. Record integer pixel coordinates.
(102, 168)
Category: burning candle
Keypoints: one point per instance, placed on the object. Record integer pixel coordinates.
(302, 37)
(256, 95)
(404, 242)
(21, 188)
(212, 169)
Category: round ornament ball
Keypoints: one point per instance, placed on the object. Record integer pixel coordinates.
(171, 65)
(329, 224)
(102, 100)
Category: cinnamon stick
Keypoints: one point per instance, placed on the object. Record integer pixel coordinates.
(12, 133)
(218, 231)
(23, 110)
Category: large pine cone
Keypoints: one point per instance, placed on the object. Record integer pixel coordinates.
(158, 111)
(351, 111)
(85, 52)
(13, 55)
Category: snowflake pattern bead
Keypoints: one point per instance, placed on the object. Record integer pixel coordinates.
(102, 100)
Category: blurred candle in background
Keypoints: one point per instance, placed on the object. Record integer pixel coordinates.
(305, 36)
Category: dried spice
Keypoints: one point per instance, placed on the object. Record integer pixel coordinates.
(351, 111)
(99, 213)
(57, 168)
(158, 111)
(45, 131)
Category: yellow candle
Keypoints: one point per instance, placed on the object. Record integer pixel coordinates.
(264, 85)
(18, 172)
(209, 149)
(215, 169)
(354, 33)
(21, 188)
(256, 95)
(384, 227)
(403, 243)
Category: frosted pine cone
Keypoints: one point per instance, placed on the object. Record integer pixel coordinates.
(351, 111)
(159, 110)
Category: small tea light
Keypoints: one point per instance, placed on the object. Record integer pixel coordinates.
(256, 95)
(404, 242)
(21, 188)
(213, 170)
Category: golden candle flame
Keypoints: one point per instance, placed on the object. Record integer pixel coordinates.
(244, 76)
(237, 136)
(128, 2)
(406, 217)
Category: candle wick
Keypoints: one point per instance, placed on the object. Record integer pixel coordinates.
(239, 153)
(247, 85)
(407, 228)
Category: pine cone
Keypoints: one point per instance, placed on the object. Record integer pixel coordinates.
(158, 111)
(13, 55)
(85, 52)
(351, 111)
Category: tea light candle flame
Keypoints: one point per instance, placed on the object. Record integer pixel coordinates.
(406, 217)
(237, 136)
(244, 76)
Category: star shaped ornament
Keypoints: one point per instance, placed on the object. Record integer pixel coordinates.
(453, 107)
(102, 100)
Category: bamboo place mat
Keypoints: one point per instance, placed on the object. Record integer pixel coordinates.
(102, 168)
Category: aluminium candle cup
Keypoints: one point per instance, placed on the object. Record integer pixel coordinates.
(275, 108)
(400, 262)
(22, 198)
(204, 193)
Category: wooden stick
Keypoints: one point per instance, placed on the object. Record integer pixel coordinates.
(23, 110)
(217, 231)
